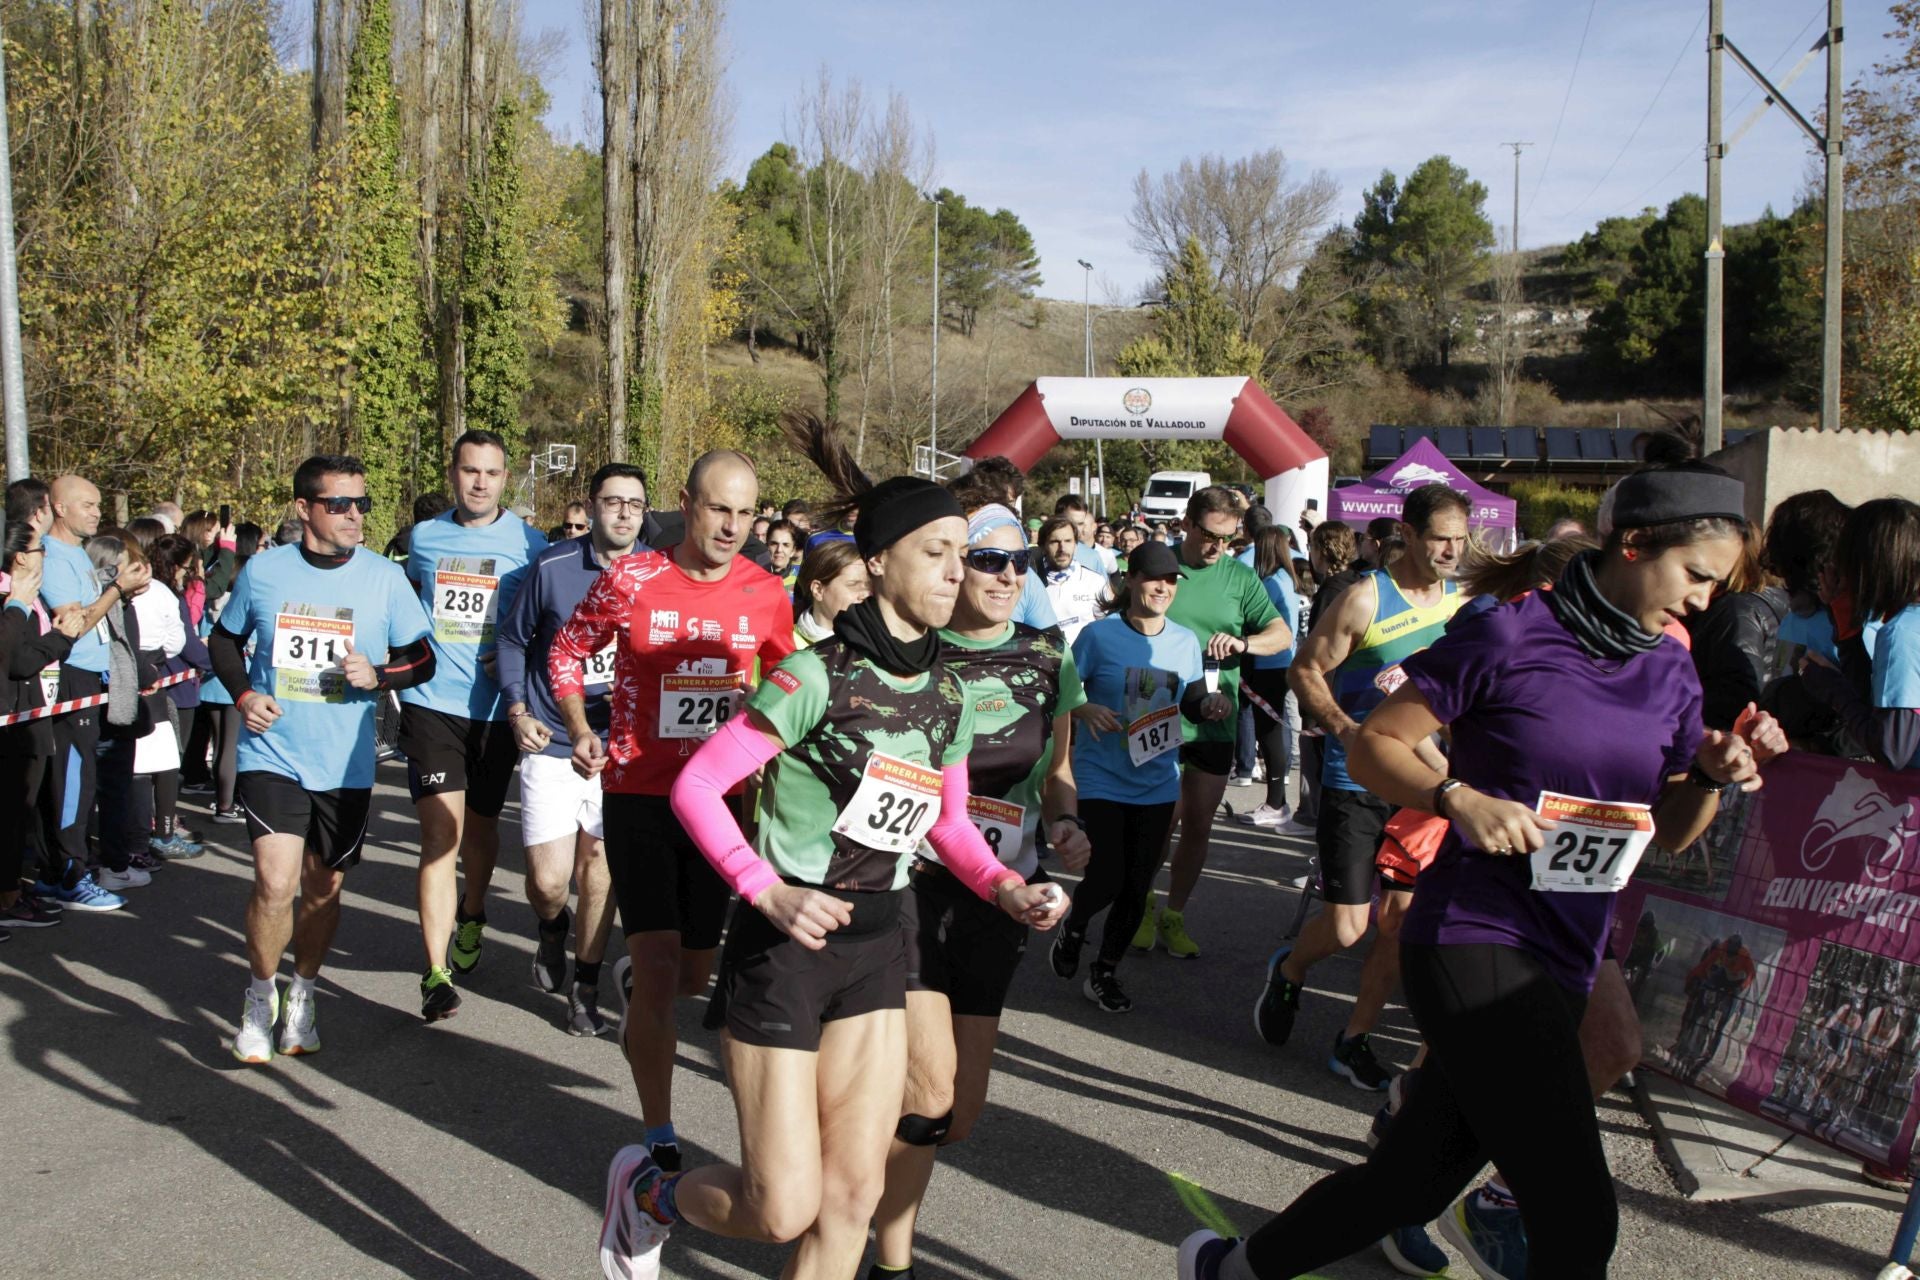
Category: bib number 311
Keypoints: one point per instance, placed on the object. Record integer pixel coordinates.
(1594, 846)
(893, 808)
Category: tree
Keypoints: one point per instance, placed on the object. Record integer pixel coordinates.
(1882, 269)
(615, 69)
(1431, 239)
(987, 260)
(1506, 335)
(495, 285)
(1196, 334)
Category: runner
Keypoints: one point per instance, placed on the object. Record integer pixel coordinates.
(961, 952)
(1143, 672)
(864, 739)
(687, 625)
(1349, 664)
(783, 553)
(560, 811)
(466, 563)
(333, 627)
(1079, 594)
(1224, 605)
(832, 577)
(1577, 742)
(1276, 711)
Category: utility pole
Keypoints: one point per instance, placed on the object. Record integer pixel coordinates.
(1517, 146)
(1714, 371)
(12, 376)
(933, 407)
(1086, 306)
(1830, 278)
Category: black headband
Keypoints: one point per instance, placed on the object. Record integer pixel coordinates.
(894, 508)
(1681, 493)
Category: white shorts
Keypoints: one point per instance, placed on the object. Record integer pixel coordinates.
(555, 801)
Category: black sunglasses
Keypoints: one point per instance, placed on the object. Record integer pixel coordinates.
(995, 559)
(574, 528)
(340, 506)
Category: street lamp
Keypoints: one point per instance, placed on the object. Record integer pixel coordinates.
(933, 408)
(1086, 304)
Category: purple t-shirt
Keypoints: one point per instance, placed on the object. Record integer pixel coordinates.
(1531, 712)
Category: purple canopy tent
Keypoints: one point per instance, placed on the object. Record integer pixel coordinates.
(1385, 493)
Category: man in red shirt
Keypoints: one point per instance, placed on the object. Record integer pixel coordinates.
(690, 622)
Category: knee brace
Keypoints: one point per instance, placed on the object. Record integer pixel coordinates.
(923, 1131)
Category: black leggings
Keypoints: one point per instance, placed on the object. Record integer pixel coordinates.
(1127, 842)
(226, 742)
(21, 778)
(199, 736)
(1504, 1082)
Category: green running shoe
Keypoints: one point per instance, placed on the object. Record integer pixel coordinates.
(1143, 936)
(1173, 935)
(438, 997)
(468, 937)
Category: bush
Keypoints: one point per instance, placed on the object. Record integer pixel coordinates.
(1541, 502)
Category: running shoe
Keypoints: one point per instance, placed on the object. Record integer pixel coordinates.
(1103, 988)
(1240, 780)
(623, 981)
(1279, 1003)
(1265, 816)
(300, 1031)
(85, 895)
(438, 996)
(550, 955)
(175, 848)
(1353, 1058)
(468, 937)
(1064, 955)
(1201, 1255)
(630, 1237)
(1171, 926)
(1493, 1240)
(1145, 936)
(27, 913)
(666, 1155)
(1412, 1252)
(229, 816)
(1889, 1176)
(583, 1012)
(132, 878)
(1299, 826)
(146, 860)
(254, 1043)
(196, 786)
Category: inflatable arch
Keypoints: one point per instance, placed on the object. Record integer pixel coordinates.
(1235, 410)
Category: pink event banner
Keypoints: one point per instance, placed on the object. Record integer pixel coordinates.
(1776, 962)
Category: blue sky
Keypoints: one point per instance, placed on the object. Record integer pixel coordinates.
(1050, 108)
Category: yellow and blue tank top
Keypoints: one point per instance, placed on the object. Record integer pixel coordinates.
(1400, 629)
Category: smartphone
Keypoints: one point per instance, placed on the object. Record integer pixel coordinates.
(226, 514)
(1210, 669)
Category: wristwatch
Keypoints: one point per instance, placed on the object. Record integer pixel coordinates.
(1446, 788)
(1702, 779)
(1074, 818)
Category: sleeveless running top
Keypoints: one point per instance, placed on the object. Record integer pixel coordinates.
(1400, 629)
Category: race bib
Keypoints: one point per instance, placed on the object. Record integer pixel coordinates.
(50, 683)
(696, 706)
(1387, 679)
(1002, 824)
(599, 666)
(1153, 735)
(302, 643)
(894, 806)
(1595, 846)
(465, 605)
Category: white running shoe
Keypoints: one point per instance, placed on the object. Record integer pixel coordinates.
(300, 1032)
(254, 1043)
(114, 881)
(1266, 816)
(630, 1238)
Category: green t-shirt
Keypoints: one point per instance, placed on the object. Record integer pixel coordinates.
(1224, 596)
(845, 803)
(1016, 685)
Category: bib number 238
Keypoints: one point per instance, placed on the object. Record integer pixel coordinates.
(893, 808)
(1594, 846)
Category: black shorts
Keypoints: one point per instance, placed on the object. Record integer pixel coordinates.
(452, 753)
(1215, 758)
(958, 945)
(333, 823)
(661, 880)
(776, 993)
(1349, 832)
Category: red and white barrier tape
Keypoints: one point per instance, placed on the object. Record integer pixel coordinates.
(94, 700)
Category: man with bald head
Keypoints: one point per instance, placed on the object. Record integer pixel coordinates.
(686, 625)
(67, 578)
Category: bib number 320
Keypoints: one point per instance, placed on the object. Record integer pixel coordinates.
(893, 808)
(1594, 846)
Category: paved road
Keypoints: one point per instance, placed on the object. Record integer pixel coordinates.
(135, 1145)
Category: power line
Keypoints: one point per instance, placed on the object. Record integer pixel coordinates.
(1567, 98)
(1644, 117)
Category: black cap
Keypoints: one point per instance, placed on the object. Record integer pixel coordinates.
(894, 508)
(1154, 560)
(1682, 491)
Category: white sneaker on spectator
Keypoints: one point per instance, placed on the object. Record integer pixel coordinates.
(1265, 816)
(114, 881)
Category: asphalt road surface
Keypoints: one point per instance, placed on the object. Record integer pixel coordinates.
(136, 1145)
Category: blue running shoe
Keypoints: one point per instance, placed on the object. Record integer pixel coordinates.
(85, 895)
(1279, 1003)
(1201, 1255)
(1493, 1240)
(1413, 1253)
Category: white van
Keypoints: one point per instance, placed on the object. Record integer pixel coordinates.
(1167, 493)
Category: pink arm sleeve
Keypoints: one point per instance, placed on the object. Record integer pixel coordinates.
(699, 801)
(958, 841)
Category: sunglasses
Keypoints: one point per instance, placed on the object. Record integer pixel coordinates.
(574, 528)
(340, 506)
(995, 560)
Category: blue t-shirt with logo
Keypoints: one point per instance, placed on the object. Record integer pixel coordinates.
(300, 620)
(67, 577)
(1896, 661)
(1140, 679)
(467, 576)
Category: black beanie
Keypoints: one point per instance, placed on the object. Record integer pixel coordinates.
(1682, 491)
(894, 508)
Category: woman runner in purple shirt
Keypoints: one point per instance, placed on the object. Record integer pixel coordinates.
(1576, 740)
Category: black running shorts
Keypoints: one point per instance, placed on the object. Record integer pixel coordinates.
(452, 753)
(661, 880)
(333, 823)
(776, 993)
(958, 945)
(1351, 826)
(1215, 758)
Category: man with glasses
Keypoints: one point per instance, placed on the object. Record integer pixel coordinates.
(1223, 603)
(560, 814)
(333, 628)
(577, 520)
(466, 564)
(687, 625)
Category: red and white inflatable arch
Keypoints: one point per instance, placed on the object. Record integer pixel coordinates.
(1235, 410)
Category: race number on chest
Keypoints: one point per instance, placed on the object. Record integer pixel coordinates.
(1001, 824)
(1594, 845)
(600, 666)
(466, 605)
(1153, 735)
(303, 643)
(895, 805)
(695, 706)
